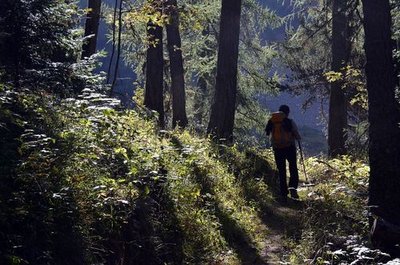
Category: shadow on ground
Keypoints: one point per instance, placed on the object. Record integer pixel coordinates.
(235, 236)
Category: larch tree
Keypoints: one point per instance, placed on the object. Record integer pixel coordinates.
(91, 28)
(337, 100)
(36, 45)
(174, 45)
(154, 96)
(384, 112)
(224, 104)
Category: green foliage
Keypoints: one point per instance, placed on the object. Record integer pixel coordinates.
(90, 183)
(105, 171)
(93, 172)
(307, 53)
(86, 182)
(354, 84)
(31, 211)
(335, 216)
(110, 185)
(343, 169)
(40, 43)
(199, 29)
(351, 78)
(256, 61)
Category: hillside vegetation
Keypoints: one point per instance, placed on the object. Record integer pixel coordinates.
(92, 184)
(182, 175)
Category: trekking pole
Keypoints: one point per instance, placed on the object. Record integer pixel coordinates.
(302, 161)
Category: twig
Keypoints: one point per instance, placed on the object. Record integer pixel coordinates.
(328, 165)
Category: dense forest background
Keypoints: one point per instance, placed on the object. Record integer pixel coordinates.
(309, 119)
(132, 132)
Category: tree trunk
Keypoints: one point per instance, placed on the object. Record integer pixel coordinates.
(223, 107)
(384, 112)
(91, 28)
(179, 117)
(153, 98)
(337, 101)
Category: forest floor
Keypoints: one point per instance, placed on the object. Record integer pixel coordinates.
(283, 221)
(284, 224)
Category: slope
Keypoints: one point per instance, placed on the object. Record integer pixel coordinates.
(95, 184)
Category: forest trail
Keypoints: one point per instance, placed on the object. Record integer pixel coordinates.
(283, 223)
(281, 220)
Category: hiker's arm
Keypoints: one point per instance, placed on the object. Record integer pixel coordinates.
(295, 131)
(268, 128)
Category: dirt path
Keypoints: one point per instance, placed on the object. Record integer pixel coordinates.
(283, 222)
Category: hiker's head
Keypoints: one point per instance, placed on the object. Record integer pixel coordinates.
(285, 109)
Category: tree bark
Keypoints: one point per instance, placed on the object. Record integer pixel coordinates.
(179, 117)
(154, 98)
(224, 104)
(91, 28)
(384, 112)
(337, 100)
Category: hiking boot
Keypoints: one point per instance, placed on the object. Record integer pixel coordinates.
(293, 193)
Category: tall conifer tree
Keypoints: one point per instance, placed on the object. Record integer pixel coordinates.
(154, 98)
(337, 100)
(224, 104)
(174, 45)
(384, 111)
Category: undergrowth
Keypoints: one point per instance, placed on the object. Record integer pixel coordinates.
(112, 188)
(335, 217)
(85, 182)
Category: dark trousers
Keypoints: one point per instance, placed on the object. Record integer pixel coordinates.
(281, 155)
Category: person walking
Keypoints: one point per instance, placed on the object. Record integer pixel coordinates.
(284, 133)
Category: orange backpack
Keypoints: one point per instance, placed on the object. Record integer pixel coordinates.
(281, 136)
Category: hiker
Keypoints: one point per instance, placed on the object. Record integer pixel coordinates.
(284, 133)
